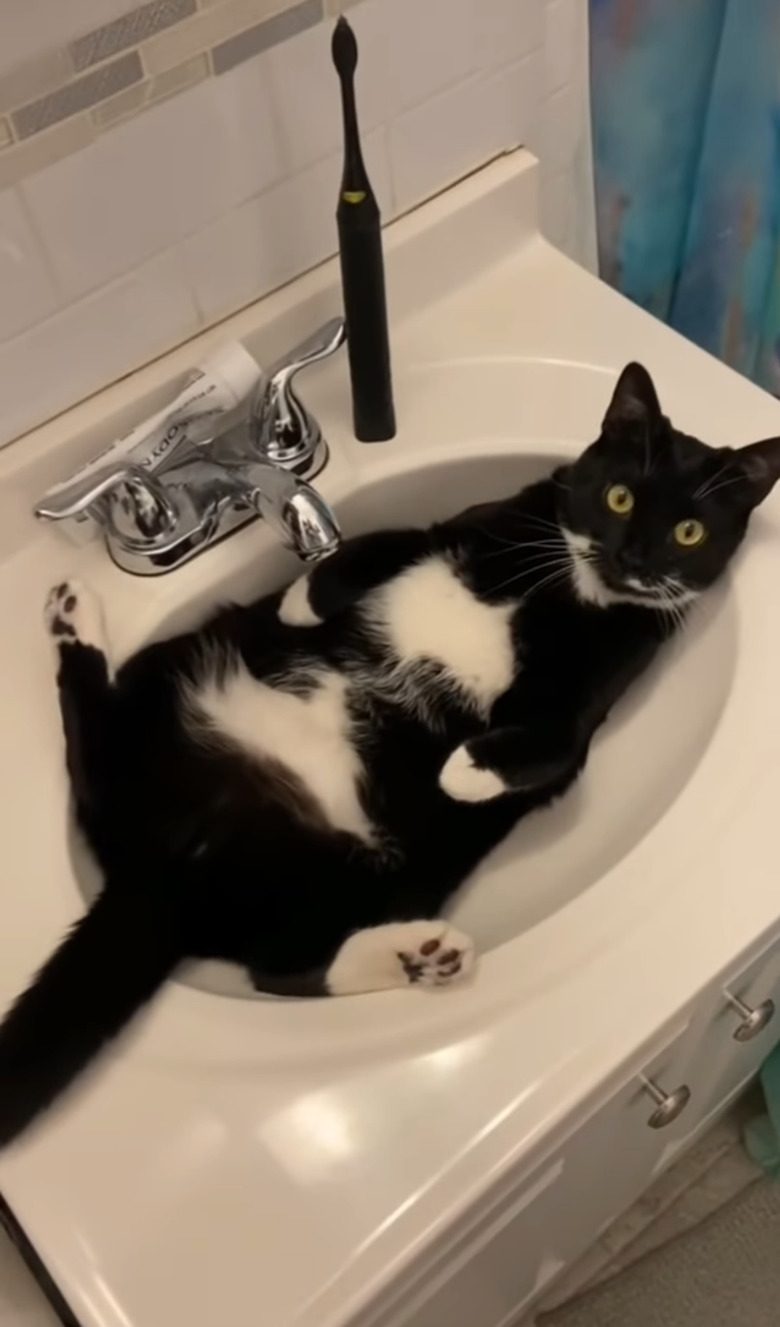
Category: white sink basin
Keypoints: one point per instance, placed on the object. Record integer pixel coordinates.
(640, 761)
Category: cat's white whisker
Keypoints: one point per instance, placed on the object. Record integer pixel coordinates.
(539, 522)
(553, 567)
(677, 599)
(711, 485)
(554, 545)
(562, 563)
(726, 483)
(497, 539)
(554, 578)
(701, 491)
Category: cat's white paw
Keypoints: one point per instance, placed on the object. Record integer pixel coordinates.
(464, 781)
(420, 953)
(436, 954)
(295, 609)
(72, 613)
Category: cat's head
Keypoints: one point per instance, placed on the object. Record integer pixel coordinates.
(652, 515)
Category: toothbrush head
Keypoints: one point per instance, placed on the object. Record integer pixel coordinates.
(344, 49)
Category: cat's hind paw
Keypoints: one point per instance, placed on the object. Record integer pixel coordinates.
(436, 954)
(465, 781)
(295, 610)
(72, 615)
(420, 953)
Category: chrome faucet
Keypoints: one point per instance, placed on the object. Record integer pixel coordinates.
(156, 518)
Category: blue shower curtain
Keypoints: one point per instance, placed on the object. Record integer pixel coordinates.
(686, 132)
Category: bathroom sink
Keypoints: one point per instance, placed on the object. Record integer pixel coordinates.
(640, 761)
(324, 1149)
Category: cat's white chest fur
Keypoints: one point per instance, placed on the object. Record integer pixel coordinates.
(309, 734)
(428, 613)
(425, 614)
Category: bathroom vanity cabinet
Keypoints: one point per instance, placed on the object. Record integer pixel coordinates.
(495, 1265)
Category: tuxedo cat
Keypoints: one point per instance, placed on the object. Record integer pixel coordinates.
(301, 785)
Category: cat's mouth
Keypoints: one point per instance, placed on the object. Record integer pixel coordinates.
(620, 583)
(665, 592)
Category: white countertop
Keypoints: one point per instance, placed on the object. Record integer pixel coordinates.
(273, 1164)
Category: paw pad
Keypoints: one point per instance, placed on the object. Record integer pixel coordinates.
(439, 959)
(73, 614)
(61, 607)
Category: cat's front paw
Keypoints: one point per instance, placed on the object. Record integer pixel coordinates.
(72, 614)
(295, 610)
(465, 781)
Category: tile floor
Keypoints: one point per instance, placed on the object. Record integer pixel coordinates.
(715, 1170)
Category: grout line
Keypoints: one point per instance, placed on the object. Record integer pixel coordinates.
(26, 97)
(125, 27)
(48, 264)
(37, 115)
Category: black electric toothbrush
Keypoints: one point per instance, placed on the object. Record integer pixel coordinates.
(362, 265)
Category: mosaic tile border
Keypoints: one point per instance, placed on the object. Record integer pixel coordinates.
(57, 103)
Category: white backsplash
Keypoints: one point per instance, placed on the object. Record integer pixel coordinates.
(176, 217)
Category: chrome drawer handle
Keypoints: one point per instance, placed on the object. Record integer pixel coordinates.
(753, 1020)
(669, 1105)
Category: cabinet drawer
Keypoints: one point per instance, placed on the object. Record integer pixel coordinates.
(730, 1047)
(495, 1266)
(519, 1249)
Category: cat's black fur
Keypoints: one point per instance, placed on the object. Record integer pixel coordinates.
(207, 853)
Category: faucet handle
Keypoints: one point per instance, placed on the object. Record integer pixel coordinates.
(284, 430)
(152, 509)
(322, 343)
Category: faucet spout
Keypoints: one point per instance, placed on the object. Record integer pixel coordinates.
(300, 516)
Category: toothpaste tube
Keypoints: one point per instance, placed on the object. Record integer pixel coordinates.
(214, 390)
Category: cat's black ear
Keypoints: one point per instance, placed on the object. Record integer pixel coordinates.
(634, 401)
(759, 465)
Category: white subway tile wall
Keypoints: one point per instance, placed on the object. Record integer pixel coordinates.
(92, 342)
(561, 42)
(557, 134)
(271, 239)
(155, 179)
(163, 164)
(27, 24)
(508, 29)
(94, 87)
(305, 93)
(128, 30)
(444, 137)
(28, 294)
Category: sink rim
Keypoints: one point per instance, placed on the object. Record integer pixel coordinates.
(513, 971)
(393, 1017)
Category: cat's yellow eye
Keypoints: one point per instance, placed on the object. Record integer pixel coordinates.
(689, 534)
(619, 499)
